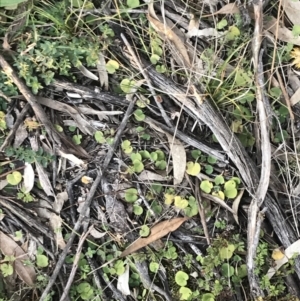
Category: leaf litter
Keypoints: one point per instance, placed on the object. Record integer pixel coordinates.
(81, 185)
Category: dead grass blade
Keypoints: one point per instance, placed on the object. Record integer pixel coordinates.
(9, 247)
(235, 205)
(168, 33)
(158, 231)
(179, 158)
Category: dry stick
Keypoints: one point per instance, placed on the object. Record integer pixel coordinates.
(87, 203)
(69, 188)
(286, 96)
(201, 211)
(253, 224)
(12, 132)
(64, 253)
(276, 39)
(37, 108)
(145, 75)
(75, 264)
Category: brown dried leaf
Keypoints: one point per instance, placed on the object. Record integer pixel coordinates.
(230, 8)
(284, 34)
(10, 248)
(158, 231)
(292, 10)
(147, 175)
(295, 97)
(171, 36)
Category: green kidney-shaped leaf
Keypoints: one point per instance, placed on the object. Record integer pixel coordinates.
(232, 33)
(226, 252)
(185, 293)
(229, 185)
(208, 297)
(154, 266)
(99, 137)
(127, 85)
(137, 210)
(131, 195)
(42, 260)
(227, 270)
(206, 186)
(193, 168)
(211, 160)
(139, 115)
(242, 271)
(112, 66)
(161, 164)
(145, 231)
(14, 178)
(231, 194)
(181, 278)
(145, 154)
(138, 166)
(180, 203)
(133, 3)
(209, 169)
(219, 180)
(136, 156)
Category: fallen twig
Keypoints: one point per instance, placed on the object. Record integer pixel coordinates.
(253, 224)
